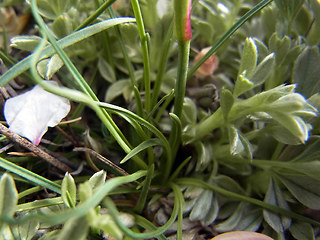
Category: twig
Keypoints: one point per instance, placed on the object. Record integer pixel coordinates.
(103, 159)
(33, 148)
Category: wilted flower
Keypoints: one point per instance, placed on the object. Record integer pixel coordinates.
(209, 66)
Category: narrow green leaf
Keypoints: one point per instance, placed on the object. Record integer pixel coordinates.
(69, 191)
(37, 204)
(30, 176)
(69, 40)
(142, 146)
(144, 193)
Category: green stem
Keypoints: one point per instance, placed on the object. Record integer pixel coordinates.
(144, 193)
(180, 88)
(93, 17)
(129, 66)
(162, 65)
(228, 34)
(145, 53)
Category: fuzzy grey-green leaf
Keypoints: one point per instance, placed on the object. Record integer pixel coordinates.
(274, 196)
(249, 57)
(226, 102)
(304, 189)
(69, 190)
(307, 72)
(98, 179)
(8, 195)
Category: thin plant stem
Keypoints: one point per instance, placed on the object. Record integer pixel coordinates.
(180, 88)
(94, 16)
(145, 53)
(162, 65)
(144, 193)
(128, 64)
(228, 34)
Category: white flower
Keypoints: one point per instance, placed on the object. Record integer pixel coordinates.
(31, 113)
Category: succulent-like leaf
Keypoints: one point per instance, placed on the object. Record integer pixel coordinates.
(302, 231)
(307, 73)
(274, 196)
(54, 64)
(106, 71)
(30, 114)
(27, 43)
(202, 206)
(69, 191)
(304, 189)
(8, 196)
(116, 89)
(251, 221)
(231, 222)
(226, 102)
(249, 57)
(243, 84)
(62, 26)
(263, 71)
(236, 145)
(98, 179)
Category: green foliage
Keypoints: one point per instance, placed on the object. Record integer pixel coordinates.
(249, 163)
